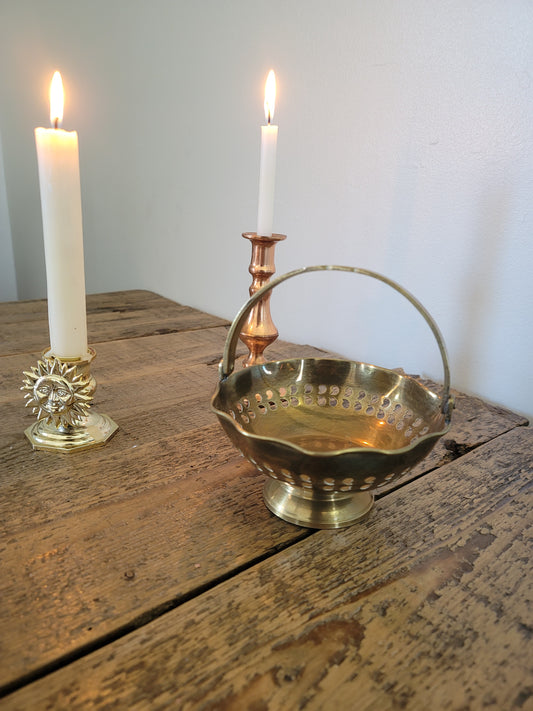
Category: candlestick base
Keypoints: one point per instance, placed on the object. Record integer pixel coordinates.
(60, 392)
(94, 430)
(259, 330)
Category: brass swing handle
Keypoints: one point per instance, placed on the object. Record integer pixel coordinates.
(227, 363)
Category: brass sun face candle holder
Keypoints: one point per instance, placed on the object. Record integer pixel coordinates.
(60, 392)
(327, 432)
(259, 330)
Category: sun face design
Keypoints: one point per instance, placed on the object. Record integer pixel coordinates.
(57, 392)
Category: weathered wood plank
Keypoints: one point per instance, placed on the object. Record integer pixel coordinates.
(86, 574)
(121, 314)
(157, 389)
(168, 452)
(170, 468)
(425, 605)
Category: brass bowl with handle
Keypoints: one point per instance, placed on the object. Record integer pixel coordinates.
(327, 431)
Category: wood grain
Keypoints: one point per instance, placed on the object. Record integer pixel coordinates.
(158, 389)
(426, 605)
(95, 544)
(73, 526)
(120, 314)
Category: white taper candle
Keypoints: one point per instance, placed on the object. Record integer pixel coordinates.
(59, 180)
(267, 172)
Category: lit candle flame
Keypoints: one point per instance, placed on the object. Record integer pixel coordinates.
(270, 96)
(56, 100)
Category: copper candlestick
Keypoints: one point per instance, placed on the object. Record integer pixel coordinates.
(259, 330)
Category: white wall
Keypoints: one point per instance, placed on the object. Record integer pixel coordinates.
(405, 146)
(8, 283)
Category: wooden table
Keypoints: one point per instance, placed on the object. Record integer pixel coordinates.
(148, 574)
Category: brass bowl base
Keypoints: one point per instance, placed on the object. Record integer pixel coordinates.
(313, 509)
(94, 431)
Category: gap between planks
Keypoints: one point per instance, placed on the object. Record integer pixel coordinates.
(145, 618)
(173, 603)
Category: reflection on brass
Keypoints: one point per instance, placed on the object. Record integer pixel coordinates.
(327, 432)
(60, 392)
(259, 330)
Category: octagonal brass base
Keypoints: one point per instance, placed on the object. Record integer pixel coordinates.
(313, 509)
(94, 430)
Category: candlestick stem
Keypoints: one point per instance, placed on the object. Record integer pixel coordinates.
(259, 330)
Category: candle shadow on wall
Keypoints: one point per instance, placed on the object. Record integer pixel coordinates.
(481, 290)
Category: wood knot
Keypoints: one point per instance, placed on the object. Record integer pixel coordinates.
(455, 449)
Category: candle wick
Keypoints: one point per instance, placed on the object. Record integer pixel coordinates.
(56, 122)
